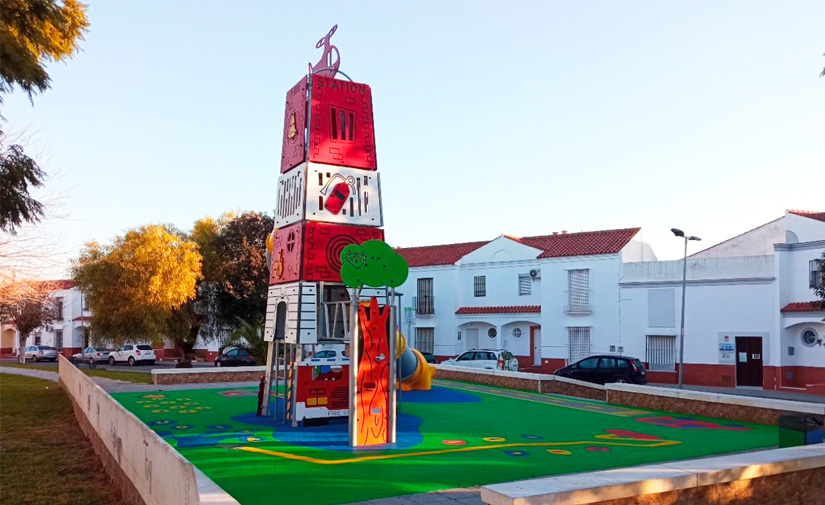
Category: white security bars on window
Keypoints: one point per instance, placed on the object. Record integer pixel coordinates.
(579, 337)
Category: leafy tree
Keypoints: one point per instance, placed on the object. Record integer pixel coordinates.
(18, 174)
(137, 287)
(36, 310)
(33, 32)
(250, 336)
(244, 273)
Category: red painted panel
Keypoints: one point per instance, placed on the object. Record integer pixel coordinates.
(324, 243)
(372, 396)
(295, 122)
(341, 131)
(286, 254)
(550, 365)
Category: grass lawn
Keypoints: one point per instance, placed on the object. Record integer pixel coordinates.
(136, 377)
(46, 458)
(449, 437)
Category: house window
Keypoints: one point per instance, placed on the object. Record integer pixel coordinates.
(59, 305)
(424, 302)
(578, 290)
(661, 352)
(425, 339)
(815, 279)
(579, 337)
(58, 339)
(517, 333)
(525, 286)
(37, 338)
(480, 285)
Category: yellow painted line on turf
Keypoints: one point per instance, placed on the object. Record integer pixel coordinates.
(627, 413)
(318, 461)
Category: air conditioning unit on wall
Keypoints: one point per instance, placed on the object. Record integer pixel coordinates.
(535, 273)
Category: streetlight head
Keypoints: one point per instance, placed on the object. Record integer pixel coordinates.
(677, 232)
(693, 238)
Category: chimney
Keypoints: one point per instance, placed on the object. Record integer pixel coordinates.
(564, 232)
(555, 233)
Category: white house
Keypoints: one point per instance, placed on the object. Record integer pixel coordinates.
(67, 334)
(548, 299)
(751, 319)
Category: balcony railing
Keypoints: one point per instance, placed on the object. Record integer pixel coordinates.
(424, 305)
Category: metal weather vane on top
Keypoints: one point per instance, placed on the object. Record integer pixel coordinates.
(327, 65)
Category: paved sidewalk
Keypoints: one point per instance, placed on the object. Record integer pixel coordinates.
(103, 382)
(38, 374)
(758, 393)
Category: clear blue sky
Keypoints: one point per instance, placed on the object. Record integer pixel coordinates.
(517, 117)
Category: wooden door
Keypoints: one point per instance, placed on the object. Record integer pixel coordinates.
(749, 361)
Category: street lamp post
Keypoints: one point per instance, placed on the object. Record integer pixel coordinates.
(680, 233)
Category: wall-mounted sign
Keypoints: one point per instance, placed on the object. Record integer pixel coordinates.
(727, 349)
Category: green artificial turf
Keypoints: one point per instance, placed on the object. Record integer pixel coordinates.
(256, 478)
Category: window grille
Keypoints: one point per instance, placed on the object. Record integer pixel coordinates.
(424, 302)
(480, 285)
(815, 278)
(661, 352)
(37, 339)
(578, 285)
(58, 340)
(59, 307)
(579, 337)
(524, 285)
(425, 339)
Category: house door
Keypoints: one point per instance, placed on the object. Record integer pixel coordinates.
(535, 343)
(749, 361)
(472, 339)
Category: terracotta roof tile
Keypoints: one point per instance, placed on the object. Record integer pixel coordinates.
(819, 216)
(815, 306)
(553, 246)
(581, 244)
(437, 254)
(511, 309)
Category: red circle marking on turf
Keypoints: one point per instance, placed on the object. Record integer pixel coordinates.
(453, 442)
(597, 449)
(632, 434)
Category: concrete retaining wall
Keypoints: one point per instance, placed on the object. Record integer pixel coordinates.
(540, 383)
(147, 469)
(197, 375)
(791, 475)
(733, 407)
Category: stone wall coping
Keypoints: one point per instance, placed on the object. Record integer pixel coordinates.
(210, 493)
(518, 375)
(622, 483)
(205, 370)
(745, 401)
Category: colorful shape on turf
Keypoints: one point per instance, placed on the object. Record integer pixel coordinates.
(494, 439)
(596, 449)
(684, 423)
(560, 452)
(517, 454)
(453, 442)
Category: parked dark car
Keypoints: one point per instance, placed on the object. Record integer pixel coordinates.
(235, 357)
(607, 368)
(429, 358)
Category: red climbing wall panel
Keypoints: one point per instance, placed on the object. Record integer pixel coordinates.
(286, 254)
(341, 131)
(324, 243)
(311, 251)
(372, 396)
(295, 122)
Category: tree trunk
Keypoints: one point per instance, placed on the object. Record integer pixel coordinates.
(21, 346)
(187, 345)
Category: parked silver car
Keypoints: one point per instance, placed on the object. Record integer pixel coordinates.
(92, 355)
(41, 353)
(491, 359)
